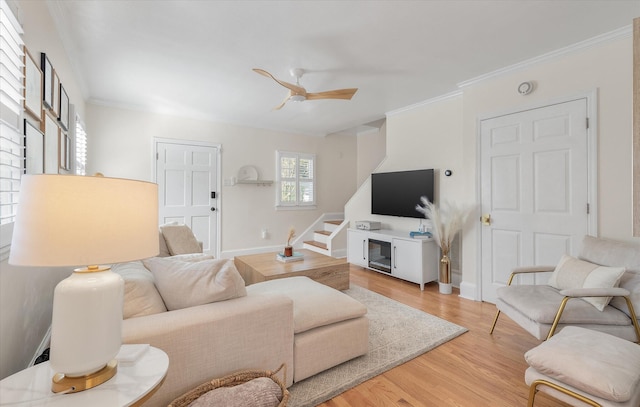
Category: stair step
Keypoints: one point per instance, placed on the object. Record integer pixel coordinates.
(316, 244)
(334, 222)
(322, 232)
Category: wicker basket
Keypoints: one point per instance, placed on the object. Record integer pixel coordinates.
(234, 380)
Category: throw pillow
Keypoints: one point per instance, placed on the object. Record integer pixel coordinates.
(574, 273)
(180, 239)
(164, 250)
(260, 392)
(140, 294)
(184, 284)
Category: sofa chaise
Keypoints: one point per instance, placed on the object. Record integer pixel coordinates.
(306, 325)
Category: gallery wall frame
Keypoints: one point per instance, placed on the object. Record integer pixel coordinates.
(33, 149)
(64, 160)
(32, 86)
(47, 80)
(56, 93)
(51, 136)
(63, 115)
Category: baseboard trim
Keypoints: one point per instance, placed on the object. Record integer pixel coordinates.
(468, 291)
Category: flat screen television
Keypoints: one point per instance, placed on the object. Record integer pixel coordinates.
(398, 193)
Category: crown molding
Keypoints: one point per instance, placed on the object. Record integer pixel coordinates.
(623, 32)
(425, 103)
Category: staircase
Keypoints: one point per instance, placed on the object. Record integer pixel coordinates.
(327, 236)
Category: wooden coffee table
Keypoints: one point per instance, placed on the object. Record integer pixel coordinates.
(327, 270)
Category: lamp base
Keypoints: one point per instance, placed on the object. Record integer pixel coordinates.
(71, 384)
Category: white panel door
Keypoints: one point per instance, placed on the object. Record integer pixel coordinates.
(534, 178)
(187, 188)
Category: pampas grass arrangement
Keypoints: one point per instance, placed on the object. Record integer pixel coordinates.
(291, 235)
(447, 221)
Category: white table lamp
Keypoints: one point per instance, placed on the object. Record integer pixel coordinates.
(69, 220)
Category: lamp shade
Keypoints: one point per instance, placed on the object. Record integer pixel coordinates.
(70, 220)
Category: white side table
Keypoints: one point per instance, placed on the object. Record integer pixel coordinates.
(131, 386)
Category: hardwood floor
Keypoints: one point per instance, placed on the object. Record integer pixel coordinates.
(473, 370)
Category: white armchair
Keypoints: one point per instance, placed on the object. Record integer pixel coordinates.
(544, 309)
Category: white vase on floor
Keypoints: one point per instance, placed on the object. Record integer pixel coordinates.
(445, 288)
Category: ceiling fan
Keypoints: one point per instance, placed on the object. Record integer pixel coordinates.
(298, 94)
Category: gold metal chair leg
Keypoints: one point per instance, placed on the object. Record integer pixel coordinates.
(495, 320)
(533, 389)
(634, 318)
(558, 316)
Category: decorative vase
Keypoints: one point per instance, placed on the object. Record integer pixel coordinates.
(288, 251)
(444, 283)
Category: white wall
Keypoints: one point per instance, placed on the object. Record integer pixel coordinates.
(26, 294)
(371, 151)
(443, 135)
(121, 145)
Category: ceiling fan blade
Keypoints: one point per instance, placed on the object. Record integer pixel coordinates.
(294, 88)
(283, 102)
(333, 94)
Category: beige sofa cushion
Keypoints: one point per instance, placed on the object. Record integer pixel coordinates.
(180, 239)
(594, 362)
(140, 294)
(184, 284)
(314, 304)
(574, 273)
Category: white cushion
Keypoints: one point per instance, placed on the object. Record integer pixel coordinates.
(140, 294)
(184, 284)
(574, 273)
(180, 239)
(594, 362)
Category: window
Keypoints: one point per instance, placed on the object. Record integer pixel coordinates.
(81, 148)
(296, 182)
(11, 137)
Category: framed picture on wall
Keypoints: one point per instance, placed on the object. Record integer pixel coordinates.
(33, 149)
(47, 80)
(51, 153)
(56, 94)
(32, 86)
(63, 151)
(63, 115)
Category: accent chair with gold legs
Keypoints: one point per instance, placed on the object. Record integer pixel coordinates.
(583, 367)
(598, 290)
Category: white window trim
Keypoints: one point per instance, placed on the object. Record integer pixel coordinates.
(11, 96)
(297, 205)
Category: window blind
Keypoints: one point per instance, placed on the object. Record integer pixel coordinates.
(11, 138)
(81, 148)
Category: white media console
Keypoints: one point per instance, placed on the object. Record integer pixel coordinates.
(394, 253)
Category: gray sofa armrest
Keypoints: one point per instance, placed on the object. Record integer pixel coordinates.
(595, 292)
(530, 269)
(214, 340)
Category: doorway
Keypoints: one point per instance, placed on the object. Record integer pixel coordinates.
(187, 174)
(536, 189)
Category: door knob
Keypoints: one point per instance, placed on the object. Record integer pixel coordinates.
(213, 209)
(486, 219)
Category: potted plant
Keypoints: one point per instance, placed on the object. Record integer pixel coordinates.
(288, 249)
(447, 221)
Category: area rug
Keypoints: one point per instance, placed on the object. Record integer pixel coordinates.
(397, 334)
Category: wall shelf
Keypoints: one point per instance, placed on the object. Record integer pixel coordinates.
(264, 183)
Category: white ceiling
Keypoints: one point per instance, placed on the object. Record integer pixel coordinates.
(194, 58)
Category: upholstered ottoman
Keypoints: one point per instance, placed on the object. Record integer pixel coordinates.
(329, 326)
(583, 367)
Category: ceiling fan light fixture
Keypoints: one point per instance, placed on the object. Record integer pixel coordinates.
(297, 98)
